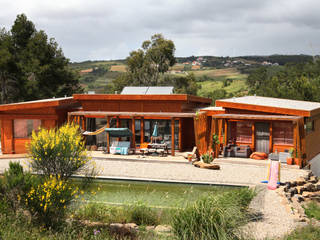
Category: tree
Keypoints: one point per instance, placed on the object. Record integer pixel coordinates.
(33, 66)
(299, 81)
(147, 65)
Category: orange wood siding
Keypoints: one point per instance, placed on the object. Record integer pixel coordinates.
(20, 145)
(187, 134)
(312, 141)
(7, 132)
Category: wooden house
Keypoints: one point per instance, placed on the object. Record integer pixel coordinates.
(172, 113)
(270, 125)
(18, 120)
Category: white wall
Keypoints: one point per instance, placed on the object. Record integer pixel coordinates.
(315, 165)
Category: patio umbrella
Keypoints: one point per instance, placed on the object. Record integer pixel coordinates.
(155, 130)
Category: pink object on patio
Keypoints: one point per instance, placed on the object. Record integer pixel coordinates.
(274, 175)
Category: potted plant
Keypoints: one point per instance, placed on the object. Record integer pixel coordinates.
(215, 143)
(290, 159)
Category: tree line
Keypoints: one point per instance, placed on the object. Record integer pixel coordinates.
(33, 66)
(300, 81)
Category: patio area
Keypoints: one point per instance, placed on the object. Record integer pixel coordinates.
(234, 171)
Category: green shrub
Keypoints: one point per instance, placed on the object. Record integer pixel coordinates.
(207, 158)
(312, 210)
(308, 233)
(48, 200)
(143, 215)
(15, 185)
(213, 217)
(58, 151)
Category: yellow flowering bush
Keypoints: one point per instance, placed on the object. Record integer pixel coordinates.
(58, 151)
(48, 200)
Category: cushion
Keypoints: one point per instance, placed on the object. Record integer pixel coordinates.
(259, 155)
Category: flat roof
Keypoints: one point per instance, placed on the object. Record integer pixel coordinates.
(142, 97)
(43, 103)
(272, 105)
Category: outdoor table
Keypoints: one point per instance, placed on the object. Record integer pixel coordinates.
(160, 146)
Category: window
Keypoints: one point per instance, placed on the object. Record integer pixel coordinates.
(309, 126)
(23, 127)
(282, 133)
(244, 132)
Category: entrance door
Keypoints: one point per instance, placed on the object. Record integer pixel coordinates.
(262, 137)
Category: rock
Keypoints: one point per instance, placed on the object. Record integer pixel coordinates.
(317, 187)
(150, 228)
(293, 184)
(309, 187)
(131, 226)
(293, 191)
(300, 199)
(163, 229)
(288, 184)
(301, 181)
(300, 189)
(206, 165)
(286, 188)
(306, 194)
(313, 179)
(288, 196)
(128, 229)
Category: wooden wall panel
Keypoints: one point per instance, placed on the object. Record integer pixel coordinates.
(48, 124)
(187, 134)
(132, 106)
(48, 110)
(20, 145)
(7, 132)
(312, 141)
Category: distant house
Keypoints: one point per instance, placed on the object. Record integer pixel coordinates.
(85, 71)
(195, 67)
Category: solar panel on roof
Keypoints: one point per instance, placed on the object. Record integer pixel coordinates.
(147, 90)
(134, 90)
(160, 90)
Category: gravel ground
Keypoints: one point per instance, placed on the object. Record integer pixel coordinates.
(272, 219)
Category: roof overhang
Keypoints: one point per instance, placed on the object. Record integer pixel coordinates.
(132, 114)
(258, 117)
(45, 103)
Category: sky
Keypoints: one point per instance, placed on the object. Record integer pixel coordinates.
(106, 30)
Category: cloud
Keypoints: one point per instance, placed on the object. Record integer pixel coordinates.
(100, 29)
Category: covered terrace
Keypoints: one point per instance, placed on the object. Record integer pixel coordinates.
(265, 133)
(177, 126)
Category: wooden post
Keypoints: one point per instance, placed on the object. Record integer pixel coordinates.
(225, 131)
(142, 130)
(108, 138)
(270, 137)
(133, 129)
(253, 134)
(219, 131)
(83, 123)
(172, 136)
(180, 134)
(298, 148)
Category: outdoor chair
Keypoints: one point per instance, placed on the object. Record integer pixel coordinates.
(122, 148)
(193, 153)
(242, 151)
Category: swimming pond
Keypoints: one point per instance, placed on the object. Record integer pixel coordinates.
(156, 194)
